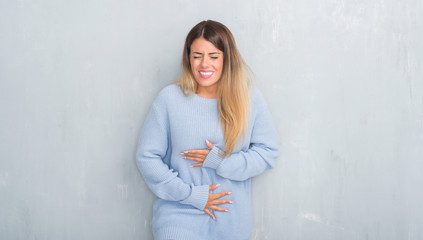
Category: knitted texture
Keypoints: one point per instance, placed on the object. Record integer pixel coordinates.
(177, 123)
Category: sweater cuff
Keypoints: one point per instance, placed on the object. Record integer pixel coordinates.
(198, 197)
(213, 159)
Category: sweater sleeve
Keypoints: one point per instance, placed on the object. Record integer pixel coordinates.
(153, 155)
(260, 156)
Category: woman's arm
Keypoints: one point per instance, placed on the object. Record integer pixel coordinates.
(153, 150)
(259, 157)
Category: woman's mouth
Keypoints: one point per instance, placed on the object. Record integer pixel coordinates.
(206, 74)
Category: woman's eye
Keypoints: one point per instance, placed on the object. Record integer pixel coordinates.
(195, 57)
(214, 57)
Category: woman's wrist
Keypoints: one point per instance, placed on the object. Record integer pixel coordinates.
(214, 158)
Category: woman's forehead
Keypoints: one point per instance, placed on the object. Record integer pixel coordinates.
(201, 45)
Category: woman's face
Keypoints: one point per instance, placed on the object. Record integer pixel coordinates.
(206, 66)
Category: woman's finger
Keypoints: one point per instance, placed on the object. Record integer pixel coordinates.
(221, 201)
(209, 144)
(219, 195)
(209, 213)
(198, 159)
(213, 186)
(197, 165)
(196, 152)
(216, 208)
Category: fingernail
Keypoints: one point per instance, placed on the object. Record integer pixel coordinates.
(226, 210)
(231, 202)
(182, 153)
(207, 141)
(229, 192)
(217, 185)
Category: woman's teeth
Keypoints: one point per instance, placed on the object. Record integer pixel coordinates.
(206, 73)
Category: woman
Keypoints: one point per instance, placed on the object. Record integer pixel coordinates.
(203, 140)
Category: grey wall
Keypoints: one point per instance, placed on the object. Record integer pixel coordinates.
(343, 79)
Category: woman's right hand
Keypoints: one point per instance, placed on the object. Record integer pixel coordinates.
(213, 202)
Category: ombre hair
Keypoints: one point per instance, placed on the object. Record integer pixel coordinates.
(233, 95)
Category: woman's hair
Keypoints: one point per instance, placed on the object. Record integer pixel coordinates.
(233, 96)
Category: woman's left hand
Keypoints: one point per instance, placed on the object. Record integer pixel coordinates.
(198, 155)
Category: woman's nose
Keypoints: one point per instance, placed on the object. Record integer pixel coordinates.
(204, 62)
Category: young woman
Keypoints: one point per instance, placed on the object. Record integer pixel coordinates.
(206, 135)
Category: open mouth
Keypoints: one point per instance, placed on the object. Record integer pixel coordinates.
(205, 74)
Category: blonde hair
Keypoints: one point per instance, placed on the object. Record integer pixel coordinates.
(233, 95)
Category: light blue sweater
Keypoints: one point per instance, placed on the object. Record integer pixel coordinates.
(177, 123)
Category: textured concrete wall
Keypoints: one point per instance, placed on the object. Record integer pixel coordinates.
(343, 79)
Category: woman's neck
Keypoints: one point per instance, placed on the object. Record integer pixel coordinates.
(206, 92)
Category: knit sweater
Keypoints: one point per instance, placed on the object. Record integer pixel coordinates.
(177, 123)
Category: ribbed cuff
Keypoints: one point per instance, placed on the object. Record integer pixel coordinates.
(213, 159)
(198, 197)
